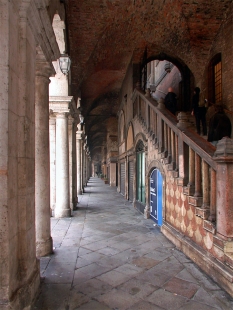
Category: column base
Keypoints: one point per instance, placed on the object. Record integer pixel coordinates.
(44, 248)
(62, 213)
(80, 192)
(25, 295)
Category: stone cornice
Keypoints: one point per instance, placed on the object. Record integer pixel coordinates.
(43, 67)
(41, 27)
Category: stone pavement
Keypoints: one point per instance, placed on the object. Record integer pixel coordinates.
(107, 256)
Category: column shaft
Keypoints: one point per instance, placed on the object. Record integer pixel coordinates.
(62, 167)
(198, 191)
(52, 147)
(44, 244)
(79, 166)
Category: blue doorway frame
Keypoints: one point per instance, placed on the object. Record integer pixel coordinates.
(156, 197)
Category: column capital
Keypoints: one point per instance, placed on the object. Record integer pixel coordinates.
(61, 115)
(60, 104)
(224, 151)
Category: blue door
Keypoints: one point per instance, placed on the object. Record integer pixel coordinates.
(156, 196)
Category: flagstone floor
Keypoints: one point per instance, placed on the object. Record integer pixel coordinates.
(107, 256)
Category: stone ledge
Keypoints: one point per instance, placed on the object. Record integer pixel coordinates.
(195, 201)
(218, 271)
(202, 213)
(189, 190)
(209, 226)
(224, 245)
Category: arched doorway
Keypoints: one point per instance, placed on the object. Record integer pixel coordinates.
(156, 196)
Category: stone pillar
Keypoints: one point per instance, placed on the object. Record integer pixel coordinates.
(198, 188)
(59, 105)
(44, 244)
(212, 216)
(191, 183)
(224, 181)
(62, 167)
(79, 158)
(74, 167)
(52, 148)
(205, 185)
(112, 168)
(70, 134)
(83, 167)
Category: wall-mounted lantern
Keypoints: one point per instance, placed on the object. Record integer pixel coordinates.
(81, 117)
(64, 63)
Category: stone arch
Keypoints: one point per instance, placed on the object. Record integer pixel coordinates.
(142, 137)
(130, 137)
(186, 78)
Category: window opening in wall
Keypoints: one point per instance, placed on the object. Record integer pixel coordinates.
(218, 82)
(140, 172)
(215, 80)
(159, 76)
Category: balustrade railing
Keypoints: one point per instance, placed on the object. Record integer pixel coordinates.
(187, 155)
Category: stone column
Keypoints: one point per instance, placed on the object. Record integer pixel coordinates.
(79, 158)
(83, 167)
(44, 244)
(112, 168)
(74, 167)
(70, 131)
(62, 167)
(59, 105)
(224, 181)
(191, 182)
(52, 147)
(205, 185)
(198, 188)
(212, 216)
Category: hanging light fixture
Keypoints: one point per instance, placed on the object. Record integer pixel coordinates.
(81, 117)
(64, 63)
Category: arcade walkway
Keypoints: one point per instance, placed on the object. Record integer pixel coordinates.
(107, 256)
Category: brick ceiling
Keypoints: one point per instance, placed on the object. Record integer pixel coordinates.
(104, 36)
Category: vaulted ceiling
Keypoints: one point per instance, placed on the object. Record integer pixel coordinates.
(104, 36)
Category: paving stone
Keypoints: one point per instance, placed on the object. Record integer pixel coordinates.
(77, 299)
(94, 270)
(53, 296)
(181, 287)
(93, 287)
(114, 278)
(167, 300)
(59, 273)
(143, 305)
(93, 305)
(138, 288)
(122, 262)
(118, 299)
(129, 269)
(145, 262)
(109, 251)
(65, 254)
(185, 275)
(192, 305)
(204, 297)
